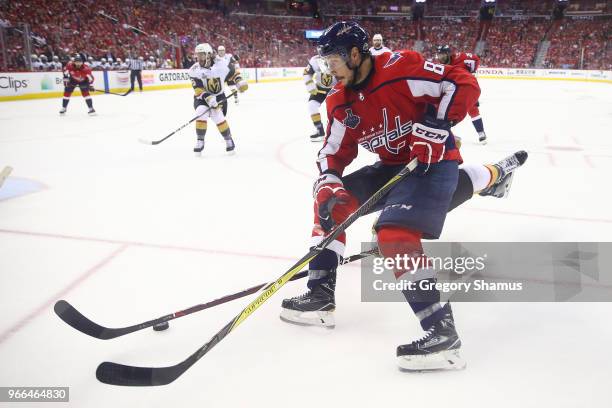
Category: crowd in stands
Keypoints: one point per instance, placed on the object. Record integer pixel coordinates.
(42, 62)
(110, 31)
(588, 40)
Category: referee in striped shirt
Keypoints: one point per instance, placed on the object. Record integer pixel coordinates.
(136, 66)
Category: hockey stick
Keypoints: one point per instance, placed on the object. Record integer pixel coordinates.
(119, 374)
(78, 321)
(114, 93)
(155, 142)
(4, 174)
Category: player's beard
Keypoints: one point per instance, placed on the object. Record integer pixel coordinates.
(353, 82)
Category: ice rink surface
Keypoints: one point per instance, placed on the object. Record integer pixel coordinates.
(128, 232)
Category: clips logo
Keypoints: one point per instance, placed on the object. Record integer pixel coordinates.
(9, 82)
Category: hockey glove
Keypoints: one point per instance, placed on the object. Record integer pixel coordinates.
(66, 80)
(311, 87)
(211, 101)
(328, 191)
(427, 142)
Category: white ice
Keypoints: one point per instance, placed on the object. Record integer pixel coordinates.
(128, 232)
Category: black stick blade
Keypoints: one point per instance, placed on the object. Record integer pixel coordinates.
(74, 318)
(119, 374)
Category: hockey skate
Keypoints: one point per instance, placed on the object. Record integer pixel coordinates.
(313, 308)
(62, 111)
(506, 168)
(91, 112)
(438, 349)
(318, 137)
(198, 148)
(482, 138)
(230, 146)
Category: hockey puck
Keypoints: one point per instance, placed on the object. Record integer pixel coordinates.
(161, 326)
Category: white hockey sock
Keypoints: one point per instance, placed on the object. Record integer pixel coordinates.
(479, 174)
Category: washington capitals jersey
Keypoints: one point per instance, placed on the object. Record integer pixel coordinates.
(378, 115)
(83, 73)
(468, 60)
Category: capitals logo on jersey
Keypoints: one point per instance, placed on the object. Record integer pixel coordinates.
(396, 56)
(393, 140)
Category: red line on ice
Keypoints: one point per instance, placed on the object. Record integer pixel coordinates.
(146, 245)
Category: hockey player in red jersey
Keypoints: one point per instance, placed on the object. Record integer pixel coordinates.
(76, 73)
(381, 103)
(470, 62)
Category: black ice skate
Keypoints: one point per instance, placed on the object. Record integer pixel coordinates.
(437, 350)
(319, 136)
(230, 146)
(313, 308)
(91, 112)
(62, 111)
(198, 147)
(506, 168)
(482, 138)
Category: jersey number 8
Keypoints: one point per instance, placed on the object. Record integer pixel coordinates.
(436, 68)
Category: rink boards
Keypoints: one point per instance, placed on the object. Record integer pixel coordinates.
(35, 85)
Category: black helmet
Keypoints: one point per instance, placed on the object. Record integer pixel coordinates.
(341, 37)
(444, 49)
(77, 57)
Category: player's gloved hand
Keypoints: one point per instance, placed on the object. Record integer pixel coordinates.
(211, 100)
(66, 80)
(91, 88)
(427, 142)
(311, 87)
(242, 86)
(328, 191)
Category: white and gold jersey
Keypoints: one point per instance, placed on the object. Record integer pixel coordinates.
(317, 73)
(211, 80)
(228, 59)
(378, 51)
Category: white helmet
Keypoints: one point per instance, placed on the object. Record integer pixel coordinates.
(377, 37)
(103, 60)
(140, 58)
(151, 58)
(221, 50)
(204, 47)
